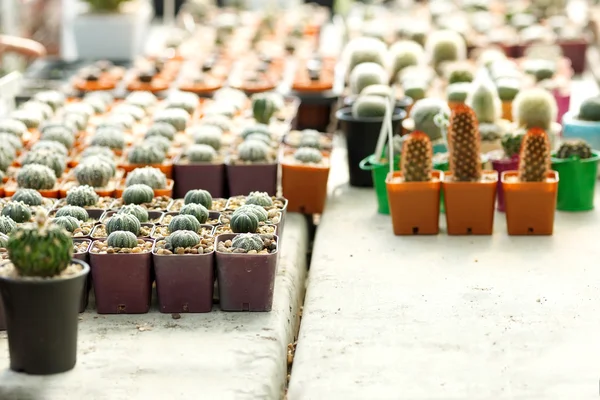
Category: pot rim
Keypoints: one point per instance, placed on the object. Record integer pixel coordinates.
(594, 158)
(218, 239)
(551, 174)
(182, 255)
(119, 254)
(570, 117)
(345, 114)
(43, 281)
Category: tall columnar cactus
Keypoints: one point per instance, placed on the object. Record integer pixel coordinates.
(590, 109)
(464, 143)
(405, 53)
(417, 154)
(423, 114)
(534, 160)
(574, 148)
(534, 108)
(485, 102)
(367, 74)
(445, 46)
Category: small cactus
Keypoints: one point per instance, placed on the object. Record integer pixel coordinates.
(369, 106)
(198, 196)
(364, 49)
(55, 147)
(405, 53)
(253, 151)
(67, 222)
(511, 143)
(102, 151)
(53, 98)
(30, 118)
(17, 211)
(184, 100)
(60, 135)
(200, 153)
(150, 176)
(367, 74)
(141, 99)
(177, 117)
(307, 155)
(197, 210)
(590, 109)
(13, 126)
(415, 90)
(243, 222)
(534, 108)
(508, 88)
(118, 121)
(73, 211)
(260, 199)
(183, 222)
(36, 176)
(82, 196)
(95, 174)
(182, 239)
(485, 102)
(30, 197)
(138, 194)
(162, 129)
(460, 75)
(263, 108)
(423, 113)
(122, 240)
(207, 134)
(137, 211)
(261, 214)
(445, 46)
(540, 69)
(416, 161)
(131, 109)
(47, 157)
(260, 129)
(534, 160)
(578, 149)
(464, 144)
(247, 242)
(111, 137)
(146, 153)
(7, 224)
(123, 222)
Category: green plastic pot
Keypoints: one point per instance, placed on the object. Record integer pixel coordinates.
(380, 171)
(577, 182)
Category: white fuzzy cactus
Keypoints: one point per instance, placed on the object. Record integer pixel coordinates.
(404, 53)
(367, 74)
(534, 108)
(364, 49)
(444, 46)
(484, 100)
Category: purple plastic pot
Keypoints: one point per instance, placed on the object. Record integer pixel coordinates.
(85, 294)
(245, 178)
(122, 282)
(184, 282)
(563, 103)
(500, 166)
(205, 176)
(246, 281)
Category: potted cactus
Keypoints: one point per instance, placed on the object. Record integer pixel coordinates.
(577, 166)
(445, 46)
(304, 175)
(148, 154)
(118, 292)
(246, 268)
(41, 288)
(530, 193)
(414, 191)
(536, 108)
(34, 176)
(86, 197)
(469, 192)
(486, 104)
(142, 195)
(121, 222)
(584, 124)
(149, 176)
(272, 204)
(196, 221)
(199, 166)
(367, 74)
(250, 218)
(264, 107)
(402, 54)
(506, 159)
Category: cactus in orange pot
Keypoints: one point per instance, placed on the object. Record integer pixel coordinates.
(416, 163)
(534, 162)
(464, 144)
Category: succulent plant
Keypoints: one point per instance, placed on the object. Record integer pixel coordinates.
(118, 120)
(28, 196)
(82, 196)
(260, 199)
(101, 151)
(30, 118)
(137, 211)
(177, 117)
(253, 151)
(458, 92)
(200, 153)
(149, 176)
(123, 222)
(136, 112)
(95, 172)
(590, 109)
(415, 90)
(9, 145)
(145, 153)
(43, 109)
(111, 137)
(416, 162)
(247, 242)
(141, 99)
(511, 143)
(36, 176)
(53, 98)
(7, 225)
(220, 121)
(183, 100)
(17, 211)
(122, 240)
(207, 134)
(367, 74)
(40, 249)
(51, 145)
(369, 106)
(198, 196)
(485, 102)
(540, 69)
(460, 75)
(263, 108)
(100, 106)
(196, 210)
(67, 222)
(445, 46)
(464, 143)
(60, 135)
(77, 122)
(308, 155)
(162, 129)
(405, 53)
(80, 108)
(534, 159)
(73, 211)
(47, 157)
(138, 194)
(578, 149)
(243, 222)
(184, 222)
(13, 126)
(534, 108)
(364, 49)
(260, 129)
(182, 239)
(508, 88)
(159, 142)
(423, 114)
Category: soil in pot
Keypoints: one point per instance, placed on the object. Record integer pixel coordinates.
(304, 184)
(99, 231)
(218, 204)
(162, 231)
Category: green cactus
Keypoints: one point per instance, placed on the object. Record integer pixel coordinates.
(247, 242)
(43, 109)
(122, 240)
(458, 92)
(99, 105)
(183, 100)
(123, 222)
(423, 114)
(17, 211)
(540, 69)
(162, 129)
(261, 214)
(197, 210)
(141, 99)
(136, 112)
(508, 88)
(511, 143)
(263, 108)
(444, 46)
(40, 249)
(260, 199)
(53, 98)
(111, 137)
(365, 49)
(3, 241)
(220, 121)
(307, 155)
(416, 162)
(367, 74)
(207, 134)
(159, 142)
(82, 196)
(578, 149)
(200, 153)
(55, 147)
(13, 126)
(460, 75)
(177, 117)
(198, 196)
(47, 157)
(101, 151)
(76, 122)
(73, 211)
(405, 53)
(534, 108)
(243, 222)
(67, 222)
(146, 153)
(150, 176)
(534, 159)
(182, 239)
(310, 141)
(254, 129)
(95, 174)
(80, 108)
(184, 222)
(464, 143)
(30, 197)
(60, 135)
(485, 103)
(137, 211)
(7, 224)
(590, 109)
(253, 151)
(369, 106)
(138, 194)
(415, 90)
(36, 176)
(30, 118)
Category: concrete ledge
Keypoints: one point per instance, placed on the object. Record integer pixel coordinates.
(216, 356)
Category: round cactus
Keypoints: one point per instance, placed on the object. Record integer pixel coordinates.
(404, 54)
(220, 121)
(3, 241)
(177, 117)
(198, 196)
(111, 137)
(13, 126)
(182, 239)
(101, 151)
(508, 88)
(183, 100)
(42, 108)
(260, 199)
(243, 222)
(77, 122)
(578, 149)
(67, 222)
(423, 114)
(95, 174)
(196, 210)
(149, 176)
(122, 240)
(162, 129)
(137, 211)
(30, 197)
(136, 112)
(9, 145)
(80, 108)
(30, 118)
(60, 135)
(40, 249)
(184, 222)
(120, 121)
(308, 155)
(458, 92)
(369, 106)
(200, 153)
(590, 109)
(310, 140)
(73, 211)
(263, 108)
(444, 46)
(141, 99)
(247, 242)
(55, 147)
(36, 176)
(123, 222)
(138, 194)
(367, 74)
(415, 90)
(161, 143)
(207, 134)
(47, 157)
(17, 211)
(53, 98)
(540, 69)
(364, 49)
(99, 105)
(485, 102)
(82, 196)
(253, 151)
(261, 214)
(460, 75)
(255, 129)
(534, 108)
(7, 224)
(145, 153)
(5, 162)
(416, 161)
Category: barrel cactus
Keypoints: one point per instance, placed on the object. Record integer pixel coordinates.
(94, 174)
(511, 143)
(123, 222)
(364, 49)
(47, 157)
(310, 138)
(253, 151)
(198, 196)
(367, 74)
(207, 134)
(405, 53)
(82, 196)
(73, 211)
(444, 46)
(30, 197)
(263, 108)
(17, 211)
(9, 144)
(111, 137)
(137, 211)
(162, 129)
(67, 222)
(43, 109)
(464, 143)
(131, 109)
(255, 129)
(260, 199)
(184, 223)
(196, 210)
(30, 118)
(51, 145)
(60, 135)
(138, 194)
(36, 176)
(534, 159)
(307, 155)
(460, 75)
(149, 176)
(77, 122)
(534, 108)
(182, 239)
(243, 222)
(177, 117)
(141, 99)
(485, 102)
(161, 143)
(183, 100)
(369, 106)
(590, 109)
(7, 224)
(122, 240)
(13, 126)
(261, 214)
(424, 112)
(415, 90)
(247, 242)
(578, 149)
(119, 121)
(145, 153)
(416, 161)
(200, 153)
(40, 249)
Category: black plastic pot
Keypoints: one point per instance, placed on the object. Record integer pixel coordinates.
(87, 285)
(42, 317)
(205, 176)
(361, 139)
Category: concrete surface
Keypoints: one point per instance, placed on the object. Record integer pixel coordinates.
(214, 356)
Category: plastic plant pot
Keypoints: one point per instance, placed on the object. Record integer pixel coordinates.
(577, 183)
(122, 282)
(380, 172)
(246, 281)
(207, 176)
(563, 103)
(41, 318)
(84, 256)
(414, 206)
(470, 205)
(184, 282)
(305, 185)
(530, 206)
(575, 50)
(245, 178)
(574, 128)
(445, 167)
(500, 166)
(361, 140)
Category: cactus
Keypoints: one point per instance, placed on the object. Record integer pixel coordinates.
(485, 102)
(364, 49)
(73, 211)
(182, 239)
(13, 126)
(416, 161)
(308, 155)
(261, 214)
(184, 222)
(220, 121)
(60, 135)
(43, 109)
(197, 210)
(40, 249)
(414, 90)
(177, 117)
(534, 159)
(150, 176)
(122, 240)
(534, 108)
(123, 222)
(137, 211)
(511, 143)
(101, 151)
(460, 75)
(445, 46)
(253, 151)
(423, 113)
(458, 92)
(405, 53)
(508, 88)
(77, 122)
(47, 157)
(136, 112)
(464, 144)
(198, 196)
(67, 222)
(161, 143)
(200, 153)
(247, 242)
(55, 147)
(263, 108)
(369, 106)
(28, 196)
(310, 141)
(540, 69)
(260, 129)
(590, 109)
(53, 98)
(36, 176)
(7, 225)
(162, 129)
(243, 222)
(141, 99)
(367, 74)
(100, 106)
(207, 134)
(146, 153)
(119, 121)
(377, 90)
(9, 145)
(260, 199)
(80, 108)
(30, 118)
(138, 194)
(82, 196)
(17, 211)
(111, 137)
(578, 149)
(183, 100)
(95, 174)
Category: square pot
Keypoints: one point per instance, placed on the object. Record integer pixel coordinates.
(207, 176)
(414, 206)
(245, 178)
(246, 281)
(305, 186)
(470, 205)
(577, 183)
(530, 206)
(87, 284)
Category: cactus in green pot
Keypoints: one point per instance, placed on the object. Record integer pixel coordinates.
(123, 222)
(577, 148)
(198, 196)
(260, 199)
(82, 196)
(47, 157)
(67, 222)
(417, 153)
(247, 242)
(36, 176)
(17, 211)
(182, 239)
(367, 74)
(197, 210)
(30, 197)
(150, 176)
(146, 153)
(138, 194)
(137, 211)
(73, 211)
(7, 224)
(184, 222)
(122, 240)
(534, 108)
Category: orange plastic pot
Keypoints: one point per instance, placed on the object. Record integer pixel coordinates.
(91, 86)
(507, 110)
(11, 187)
(469, 206)
(414, 206)
(168, 191)
(165, 167)
(305, 186)
(157, 85)
(530, 206)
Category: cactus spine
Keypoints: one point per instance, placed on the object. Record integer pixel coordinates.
(534, 163)
(574, 148)
(464, 143)
(416, 161)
